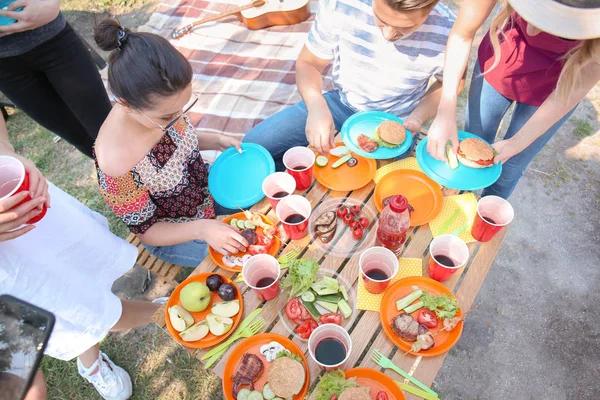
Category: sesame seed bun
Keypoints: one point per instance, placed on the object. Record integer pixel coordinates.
(357, 393)
(391, 132)
(286, 377)
(475, 153)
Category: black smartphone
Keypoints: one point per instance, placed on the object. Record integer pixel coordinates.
(24, 333)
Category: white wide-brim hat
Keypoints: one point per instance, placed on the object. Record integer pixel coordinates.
(569, 19)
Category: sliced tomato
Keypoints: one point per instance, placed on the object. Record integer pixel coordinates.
(263, 240)
(257, 249)
(480, 162)
(304, 314)
(381, 396)
(331, 318)
(306, 328)
(427, 318)
(292, 309)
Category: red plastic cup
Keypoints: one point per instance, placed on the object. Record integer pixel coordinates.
(14, 179)
(293, 211)
(445, 250)
(261, 272)
(280, 184)
(493, 214)
(329, 331)
(378, 266)
(299, 162)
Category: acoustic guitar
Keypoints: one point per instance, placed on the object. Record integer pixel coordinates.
(259, 14)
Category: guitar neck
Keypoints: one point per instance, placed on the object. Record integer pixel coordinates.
(219, 16)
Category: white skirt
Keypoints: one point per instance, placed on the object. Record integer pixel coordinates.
(67, 265)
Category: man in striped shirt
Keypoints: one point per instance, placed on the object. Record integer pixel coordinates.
(384, 53)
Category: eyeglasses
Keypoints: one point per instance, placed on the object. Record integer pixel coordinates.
(185, 111)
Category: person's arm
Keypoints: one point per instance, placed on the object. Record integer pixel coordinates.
(550, 112)
(471, 17)
(35, 13)
(220, 142)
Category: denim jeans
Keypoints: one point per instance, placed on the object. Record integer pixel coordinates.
(188, 254)
(486, 108)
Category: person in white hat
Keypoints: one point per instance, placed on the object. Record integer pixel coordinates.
(543, 56)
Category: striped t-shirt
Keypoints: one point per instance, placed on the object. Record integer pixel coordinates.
(370, 72)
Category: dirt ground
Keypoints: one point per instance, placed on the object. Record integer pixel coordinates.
(535, 334)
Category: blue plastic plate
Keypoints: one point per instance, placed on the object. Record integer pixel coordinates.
(365, 123)
(235, 180)
(461, 178)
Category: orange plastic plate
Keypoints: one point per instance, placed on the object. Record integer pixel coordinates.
(345, 178)
(376, 381)
(443, 341)
(210, 339)
(218, 257)
(422, 193)
(252, 345)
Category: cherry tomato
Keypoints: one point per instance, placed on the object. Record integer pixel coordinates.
(354, 224)
(292, 309)
(355, 210)
(427, 318)
(333, 397)
(364, 222)
(331, 318)
(263, 240)
(381, 396)
(341, 212)
(348, 218)
(357, 233)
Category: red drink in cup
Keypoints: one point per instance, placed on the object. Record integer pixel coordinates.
(329, 346)
(261, 272)
(14, 179)
(293, 212)
(493, 213)
(447, 254)
(378, 266)
(277, 186)
(299, 162)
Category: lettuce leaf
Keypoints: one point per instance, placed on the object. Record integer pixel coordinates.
(333, 382)
(444, 305)
(301, 274)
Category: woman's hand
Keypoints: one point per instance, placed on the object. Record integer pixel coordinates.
(38, 186)
(35, 13)
(442, 130)
(222, 237)
(226, 142)
(13, 216)
(505, 149)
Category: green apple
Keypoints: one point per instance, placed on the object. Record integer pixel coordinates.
(218, 325)
(195, 332)
(195, 296)
(226, 308)
(180, 318)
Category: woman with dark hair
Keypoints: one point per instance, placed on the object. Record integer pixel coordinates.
(150, 170)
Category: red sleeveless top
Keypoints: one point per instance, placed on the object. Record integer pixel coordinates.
(529, 65)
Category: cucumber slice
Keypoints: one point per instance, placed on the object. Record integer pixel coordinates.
(328, 306)
(339, 151)
(255, 395)
(341, 161)
(243, 394)
(233, 222)
(322, 161)
(308, 296)
(249, 225)
(241, 224)
(330, 298)
(310, 307)
(451, 156)
(267, 392)
(345, 309)
(344, 292)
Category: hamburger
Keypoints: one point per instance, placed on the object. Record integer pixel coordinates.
(356, 393)
(390, 134)
(286, 377)
(475, 153)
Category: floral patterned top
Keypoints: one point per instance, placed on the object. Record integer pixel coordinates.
(170, 184)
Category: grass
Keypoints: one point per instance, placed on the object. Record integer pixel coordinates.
(582, 129)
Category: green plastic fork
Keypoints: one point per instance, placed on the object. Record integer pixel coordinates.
(385, 362)
(251, 330)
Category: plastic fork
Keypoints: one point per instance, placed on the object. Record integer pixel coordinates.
(385, 362)
(251, 330)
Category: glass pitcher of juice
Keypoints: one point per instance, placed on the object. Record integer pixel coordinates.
(393, 225)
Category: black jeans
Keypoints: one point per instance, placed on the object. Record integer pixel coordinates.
(58, 85)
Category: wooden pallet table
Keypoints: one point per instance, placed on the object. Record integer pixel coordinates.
(366, 331)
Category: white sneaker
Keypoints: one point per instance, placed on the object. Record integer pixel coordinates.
(161, 300)
(111, 381)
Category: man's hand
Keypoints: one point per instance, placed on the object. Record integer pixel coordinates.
(442, 130)
(320, 129)
(413, 124)
(13, 216)
(35, 13)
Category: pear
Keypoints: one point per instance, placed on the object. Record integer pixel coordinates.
(218, 325)
(180, 318)
(195, 332)
(226, 308)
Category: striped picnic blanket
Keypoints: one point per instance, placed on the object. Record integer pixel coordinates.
(242, 76)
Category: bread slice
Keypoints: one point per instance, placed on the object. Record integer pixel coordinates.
(471, 164)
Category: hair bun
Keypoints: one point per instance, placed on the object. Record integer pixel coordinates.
(110, 35)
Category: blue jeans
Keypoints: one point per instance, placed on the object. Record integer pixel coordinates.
(188, 254)
(485, 110)
(287, 128)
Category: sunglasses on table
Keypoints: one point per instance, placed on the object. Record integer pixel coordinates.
(187, 108)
